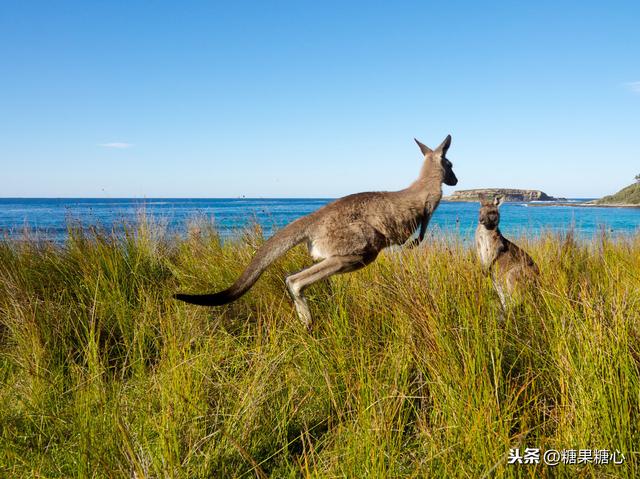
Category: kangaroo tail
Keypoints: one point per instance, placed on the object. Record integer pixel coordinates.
(272, 249)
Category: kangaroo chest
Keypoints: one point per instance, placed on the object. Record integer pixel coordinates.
(484, 246)
(400, 222)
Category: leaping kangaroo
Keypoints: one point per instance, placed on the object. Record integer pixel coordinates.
(347, 234)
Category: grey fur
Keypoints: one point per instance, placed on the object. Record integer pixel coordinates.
(510, 267)
(348, 233)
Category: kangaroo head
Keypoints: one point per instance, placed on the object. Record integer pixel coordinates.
(489, 213)
(437, 159)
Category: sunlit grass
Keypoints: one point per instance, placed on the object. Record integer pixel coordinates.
(409, 371)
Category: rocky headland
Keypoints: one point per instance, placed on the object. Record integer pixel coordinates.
(629, 196)
(510, 194)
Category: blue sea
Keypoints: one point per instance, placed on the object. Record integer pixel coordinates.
(48, 218)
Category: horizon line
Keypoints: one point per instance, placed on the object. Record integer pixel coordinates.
(211, 197)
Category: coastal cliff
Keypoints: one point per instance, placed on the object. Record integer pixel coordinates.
(510, 194)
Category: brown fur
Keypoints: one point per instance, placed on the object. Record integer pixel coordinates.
(510, 267)
(348, 234)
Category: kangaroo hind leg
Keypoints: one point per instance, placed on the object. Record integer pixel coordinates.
(298, 282)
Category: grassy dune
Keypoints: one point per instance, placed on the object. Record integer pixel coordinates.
(408, 373)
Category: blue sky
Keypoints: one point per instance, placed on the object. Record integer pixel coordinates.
(315, 99)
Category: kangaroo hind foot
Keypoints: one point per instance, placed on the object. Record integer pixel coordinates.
(298, 282)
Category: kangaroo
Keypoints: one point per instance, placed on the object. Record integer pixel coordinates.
(510, 266)
(347, 234)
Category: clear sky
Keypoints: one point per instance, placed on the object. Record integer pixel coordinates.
(315, 99)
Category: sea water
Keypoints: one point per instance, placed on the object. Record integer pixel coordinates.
(49, 218)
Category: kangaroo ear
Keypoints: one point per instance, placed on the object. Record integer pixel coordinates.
(444, 146)
(423, 148)
(498, 200)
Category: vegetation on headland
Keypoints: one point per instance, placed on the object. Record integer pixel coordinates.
(409, 371)
(510, 194)
(629, 195)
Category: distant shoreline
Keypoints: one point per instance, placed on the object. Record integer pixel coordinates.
(586, 205)
(557, 203)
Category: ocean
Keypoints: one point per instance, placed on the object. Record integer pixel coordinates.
(49, 218)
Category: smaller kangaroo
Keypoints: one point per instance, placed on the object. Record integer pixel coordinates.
(510, 267)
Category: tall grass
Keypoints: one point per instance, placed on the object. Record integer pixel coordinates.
(409, 372)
